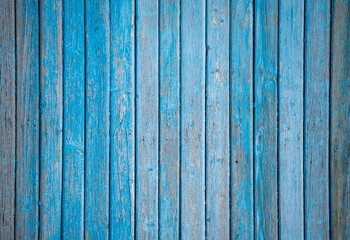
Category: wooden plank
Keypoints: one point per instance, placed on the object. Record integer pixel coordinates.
(51, 103)
(241, 90)
(265, 114)
(217, 120)
(169, 104)
(122, 188)
(193, 51)
(291, 70)
(27, 153)
(340, 122)
(73, 122)
(316, 163)
(8, 118)
(97, 29)
(147, 107)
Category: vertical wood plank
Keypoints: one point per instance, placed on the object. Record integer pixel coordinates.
(7, 118)
(73, 122)
(51, 103)
(147, 119)
(265, 125)
(97, 30)
(122, 188)
(193, 51)
(217, 121)
(27, 154)
(340, 122)
(316, 166)
(291, 60)
(169, 104)
(241, 74)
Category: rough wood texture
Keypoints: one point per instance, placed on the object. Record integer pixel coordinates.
(51, 103)
(73, 120)
(340, 121)
(265, 119)
(169, 119)
(291, 48)
(122, 170)
(97, 40)
(241, 126)
(217, 120)
(27, 152)
(316, 162)
(8, 118)
(147, 111)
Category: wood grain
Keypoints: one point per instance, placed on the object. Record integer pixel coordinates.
(291, 48)
(217, 120)
(122, 169)
(51, 104)
(8, 118)
(265, 119)
(73, 120)
(27, 152)
(97, 40)
(316, 163)
(169, 119)
(193, 50)
(340, 121)
(147, 113)
(241, 116)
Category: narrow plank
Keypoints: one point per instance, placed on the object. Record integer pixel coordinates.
(316, 165)
(73, 122)
(7, 118)
(291, 72)
(340, 122)
(241, 75)
(27, 154)
(147, 119)
(51, 104)
(265, 122)
(122, 188)
(97, 119)
(193, 51)
(169, 104)
(217, 120)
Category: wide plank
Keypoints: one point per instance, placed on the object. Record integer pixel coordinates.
(265, 119)
(51, 110)
(169, 119)
(122, 169)
(340, 121)
(27, 151)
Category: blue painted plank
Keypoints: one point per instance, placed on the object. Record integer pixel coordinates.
(340, 121)
(7, 118)
(27, 152)
(122, 182)
(316, 163)
(51, 103)
(147, 107)
(217, 120)
(97, 40)
(265, 119)
(291, 60)
(241, 80)
(193, 52)
(73, 122)
(169, 119)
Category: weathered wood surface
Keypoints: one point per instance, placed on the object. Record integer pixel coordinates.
(316, 119)
(192, 119)
(27, 106)
(290, 144)
(340, 121)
